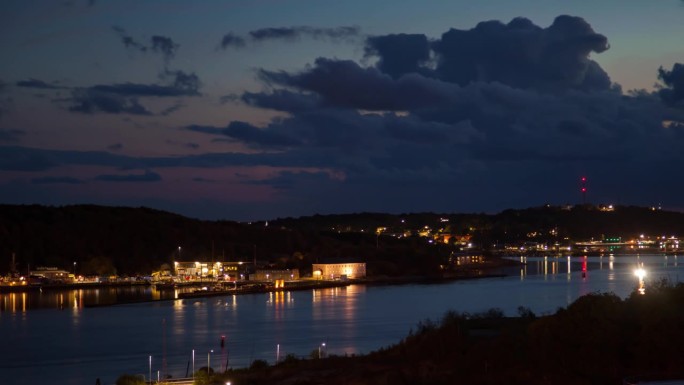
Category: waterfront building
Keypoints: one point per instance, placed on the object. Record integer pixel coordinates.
(224, 270)
(339, 270)
(51, 275)
(275, 275)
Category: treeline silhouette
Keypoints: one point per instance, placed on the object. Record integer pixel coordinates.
(107, 240)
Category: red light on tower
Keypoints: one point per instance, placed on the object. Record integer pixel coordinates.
(583, 189)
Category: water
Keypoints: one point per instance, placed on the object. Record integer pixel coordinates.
(52, 336)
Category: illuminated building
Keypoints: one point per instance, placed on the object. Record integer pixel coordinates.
(339, 270)
(275, 275)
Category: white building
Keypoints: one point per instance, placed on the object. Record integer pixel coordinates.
(339, 270)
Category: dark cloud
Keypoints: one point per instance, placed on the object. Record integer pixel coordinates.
(281, 100)
(188, 84)
(492, 117)
(148, 176)
(232, 40)
(115, 147)
(128, 41)
(673, 91)
(289, 33)
(399, 54)
(345, 83)
(16, 158)
(8, 136)
(159, 44)
(57, 180)
(124, 98)
(248, 134)
(181, 88)
(165, 46)
(521, 54)
(94, 100)
(469, 112)
(251, 135)
(35, 83)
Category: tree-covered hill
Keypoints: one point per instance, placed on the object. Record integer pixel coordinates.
(139, 240)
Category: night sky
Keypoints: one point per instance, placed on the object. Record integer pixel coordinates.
(256, 109)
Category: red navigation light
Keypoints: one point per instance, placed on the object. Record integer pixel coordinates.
(584, 179)
(584, 189)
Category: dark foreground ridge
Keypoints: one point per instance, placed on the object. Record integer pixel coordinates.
(598, 339)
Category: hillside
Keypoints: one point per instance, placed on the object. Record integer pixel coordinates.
(124, 240)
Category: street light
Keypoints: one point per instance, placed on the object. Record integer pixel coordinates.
(319, 349)
(209, 361)
(74, 269)
(193, 364)
(150, 376)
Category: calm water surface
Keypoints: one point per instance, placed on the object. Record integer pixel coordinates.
(52, 336)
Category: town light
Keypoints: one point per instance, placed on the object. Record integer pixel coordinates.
(640, 273)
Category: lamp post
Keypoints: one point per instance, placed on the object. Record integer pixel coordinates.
(322, 345)
(193, 364)
(74, 269)
(209, 361)
(150, 373)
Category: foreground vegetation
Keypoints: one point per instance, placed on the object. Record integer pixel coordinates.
(598, 339)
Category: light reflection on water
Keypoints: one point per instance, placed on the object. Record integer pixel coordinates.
(77, 344)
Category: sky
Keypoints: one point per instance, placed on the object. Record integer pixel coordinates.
(258, 109)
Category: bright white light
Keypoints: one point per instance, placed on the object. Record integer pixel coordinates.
(640, 273)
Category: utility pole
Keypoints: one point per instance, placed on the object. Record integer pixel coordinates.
(583, 189)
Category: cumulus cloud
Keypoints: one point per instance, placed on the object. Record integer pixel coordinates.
(477, 106)
(289, 33)
(499, 115)
(399, 53)
(673, 91)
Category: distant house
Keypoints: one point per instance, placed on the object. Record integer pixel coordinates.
(339, 270)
